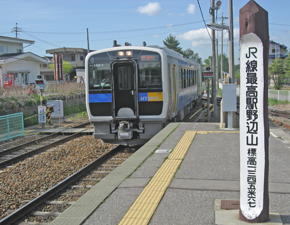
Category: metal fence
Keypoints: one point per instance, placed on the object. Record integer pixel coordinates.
(11, 126)
(282, 95)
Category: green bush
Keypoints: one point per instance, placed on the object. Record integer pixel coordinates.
(30, 120)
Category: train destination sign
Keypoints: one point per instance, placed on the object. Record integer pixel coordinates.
(149, 57)
(252, 145)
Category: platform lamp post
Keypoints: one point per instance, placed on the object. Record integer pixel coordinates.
(214, 6)
(230, 29)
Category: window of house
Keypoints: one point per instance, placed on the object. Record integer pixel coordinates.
(81, 58)
(1, 48)
(273, 50)
(73, 58)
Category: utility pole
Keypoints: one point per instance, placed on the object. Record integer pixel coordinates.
(231, 42)
(222, 46)
(88, 44)
(217, 65)
(231, 52)
(16, 30)
(212, 9)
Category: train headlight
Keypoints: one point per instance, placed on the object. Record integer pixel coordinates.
(128, 53)
(120, 53)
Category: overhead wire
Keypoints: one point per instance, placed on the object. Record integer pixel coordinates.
(203, 19)
(118, 31)
(40, 39)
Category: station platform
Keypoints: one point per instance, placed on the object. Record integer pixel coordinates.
(186, 174)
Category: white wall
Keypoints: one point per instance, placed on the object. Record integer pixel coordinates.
(11, 47)
(22, 66)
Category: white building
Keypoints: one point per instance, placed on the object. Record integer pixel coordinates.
(24, 65)
(276, 50)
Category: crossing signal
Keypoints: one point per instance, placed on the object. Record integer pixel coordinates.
(207, 74)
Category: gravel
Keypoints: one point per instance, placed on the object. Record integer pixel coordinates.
(30, 178)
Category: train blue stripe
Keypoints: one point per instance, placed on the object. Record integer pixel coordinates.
(143, 97)
(101, 97)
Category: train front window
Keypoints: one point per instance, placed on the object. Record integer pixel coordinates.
(149, 70)
(99, 72)
(99, 76)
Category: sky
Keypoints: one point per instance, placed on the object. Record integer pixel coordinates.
(62, 23)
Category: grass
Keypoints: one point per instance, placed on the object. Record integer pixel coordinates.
(273, 101)
(20, 93)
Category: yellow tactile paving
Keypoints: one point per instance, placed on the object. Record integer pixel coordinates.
(145, 205)
(182, 146)
(219, 132)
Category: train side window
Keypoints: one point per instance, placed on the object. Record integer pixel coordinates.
(180, 79)
(184, 79)
(188, 78)
(191, 76)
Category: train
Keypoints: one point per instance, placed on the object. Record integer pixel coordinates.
(133, 92)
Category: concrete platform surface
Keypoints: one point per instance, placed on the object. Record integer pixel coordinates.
(208, 172)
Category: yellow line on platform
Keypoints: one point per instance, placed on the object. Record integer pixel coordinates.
(145, 205)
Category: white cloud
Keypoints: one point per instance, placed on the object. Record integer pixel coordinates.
(198, 37)
(152, 9)
(201, 38)
(191, 9)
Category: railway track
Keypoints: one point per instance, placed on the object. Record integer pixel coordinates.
(280, 118)
(50, 204)
(20, 152)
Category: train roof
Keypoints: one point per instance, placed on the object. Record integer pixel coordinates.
(168, 51)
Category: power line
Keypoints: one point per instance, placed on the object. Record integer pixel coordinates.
(203, 19)
(118, 31)
(40, 39)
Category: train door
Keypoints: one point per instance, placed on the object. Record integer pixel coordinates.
(170, 87)
(125, 99)
(174, 89)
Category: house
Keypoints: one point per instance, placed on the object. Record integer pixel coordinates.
(75, 56)
(276, 50)
(45, 71)
(23, 66)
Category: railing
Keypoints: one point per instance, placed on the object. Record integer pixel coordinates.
(11, 126)
(282, 95)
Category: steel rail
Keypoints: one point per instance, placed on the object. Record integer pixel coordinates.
(39, 150)
(10, 150)
(16, 215)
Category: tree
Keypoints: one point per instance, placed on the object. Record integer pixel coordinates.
(207, 62)
(188, 53)
(66, 67)
(276, 72)
(287, 66)
(225, 64)
(172, 43)
(237, 71)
